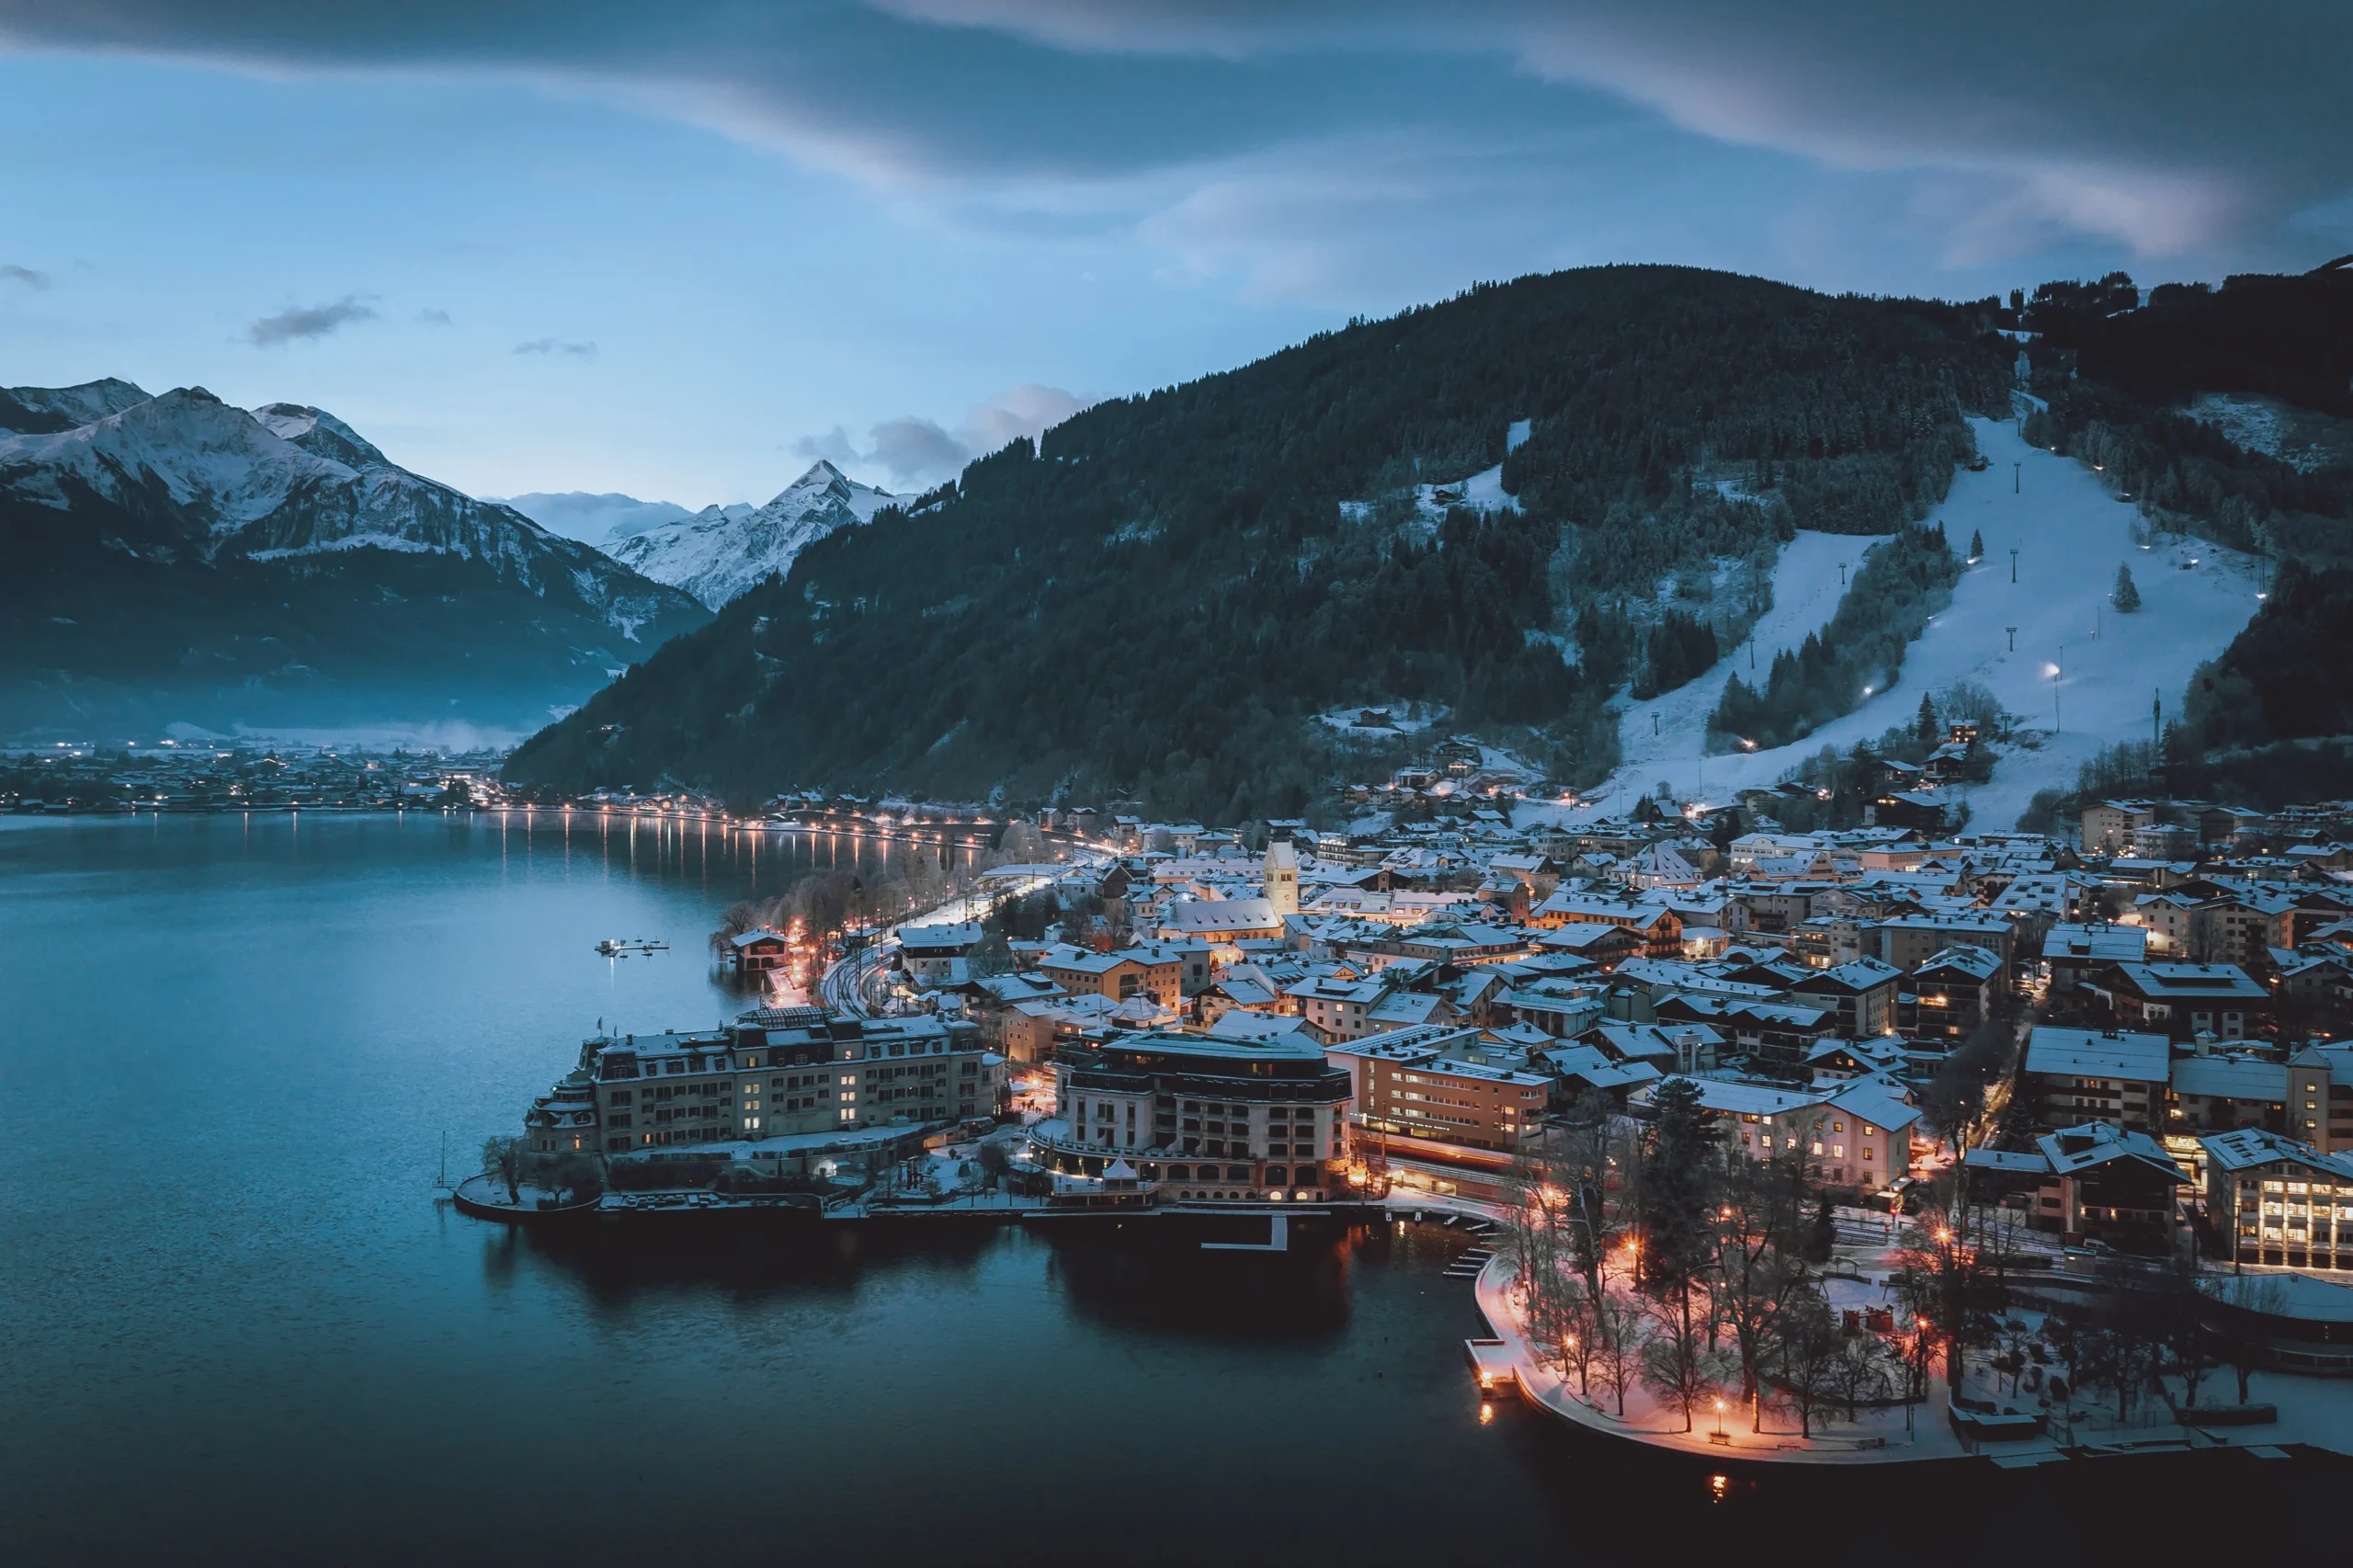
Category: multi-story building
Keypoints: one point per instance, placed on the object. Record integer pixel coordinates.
(2072, 950)
(934, 954)
(2109, 825)
(1123, 975)
(1951, 993)
(1339, 1009)
(1861, 993)
(1907, 941)
(1437, 1083)
(2095, 1182)
(1200, 1118)
(1853, 1134)
(2275, 1201)
(2107, 1076)
(2185, 1000)
(785, 1071)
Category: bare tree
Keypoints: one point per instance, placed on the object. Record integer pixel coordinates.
(1675, 1364)
(1806, 1349)
(503, 1157)
(1617, 1348)
(1862, 1372)
(2246, 1300)
(1759, 1264)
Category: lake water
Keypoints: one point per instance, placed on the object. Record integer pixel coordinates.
(238, 1329)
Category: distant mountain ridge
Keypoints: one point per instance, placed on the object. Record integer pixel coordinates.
(598, 520)
(177, 557)
(720, 551)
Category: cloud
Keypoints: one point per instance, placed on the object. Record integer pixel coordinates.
(307, 322)
(1026, 409)
(433, 318)
(917, 452)
(557, 345)
(833, 446)
(914, 449)
(11, 273)
(2160, 128)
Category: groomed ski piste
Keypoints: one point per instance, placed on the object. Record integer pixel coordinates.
(2081, 677)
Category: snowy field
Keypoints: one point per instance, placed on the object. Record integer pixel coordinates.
(2071, 534)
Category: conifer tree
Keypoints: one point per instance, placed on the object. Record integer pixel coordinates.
(2127, 598)
(1928, 727)
(1976, 545)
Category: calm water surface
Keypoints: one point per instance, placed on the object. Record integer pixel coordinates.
(239, 1330)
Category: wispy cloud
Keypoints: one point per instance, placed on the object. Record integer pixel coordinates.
(914, 451)
(307, 322)
(557, 345)
(12, 273)
(433, 318)
(2159, 128)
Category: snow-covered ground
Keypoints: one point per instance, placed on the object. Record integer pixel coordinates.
(1660, 739)
(2071, 534)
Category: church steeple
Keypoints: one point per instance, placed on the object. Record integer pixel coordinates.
(1282, 878)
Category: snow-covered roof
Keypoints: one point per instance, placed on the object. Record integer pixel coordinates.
(2138, 1058)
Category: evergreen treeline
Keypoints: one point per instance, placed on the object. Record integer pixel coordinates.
(1899, 586)
(2283, 677)
(1156, 601)
(1681, 648)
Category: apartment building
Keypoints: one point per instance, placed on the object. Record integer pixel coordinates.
(1440, 1083)
(2105, 1076)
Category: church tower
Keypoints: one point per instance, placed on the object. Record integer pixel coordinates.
(1282, 878)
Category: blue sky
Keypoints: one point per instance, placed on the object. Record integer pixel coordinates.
(676, 250)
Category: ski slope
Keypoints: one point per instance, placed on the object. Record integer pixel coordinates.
(2082, 676)
(1660, 738)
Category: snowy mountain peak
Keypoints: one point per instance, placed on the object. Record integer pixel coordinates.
(39, 410)
(721, 551)
(321, 434)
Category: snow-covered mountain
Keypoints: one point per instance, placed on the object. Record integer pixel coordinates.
(721, 551)
(286, 544)
(598, 520)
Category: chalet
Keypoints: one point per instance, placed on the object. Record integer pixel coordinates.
(1660, 929)
(1129, 972)
(934, 954)
(760, 950)
(1604, 946)
(2098, 1182)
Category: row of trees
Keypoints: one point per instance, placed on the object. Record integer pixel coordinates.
(1648, 1255)
(1901, 582)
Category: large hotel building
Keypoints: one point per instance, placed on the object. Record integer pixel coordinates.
(1192, 1118)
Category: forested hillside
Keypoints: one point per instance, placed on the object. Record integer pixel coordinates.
(1157, 600)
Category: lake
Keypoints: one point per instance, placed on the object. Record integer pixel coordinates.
(239, 1329)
